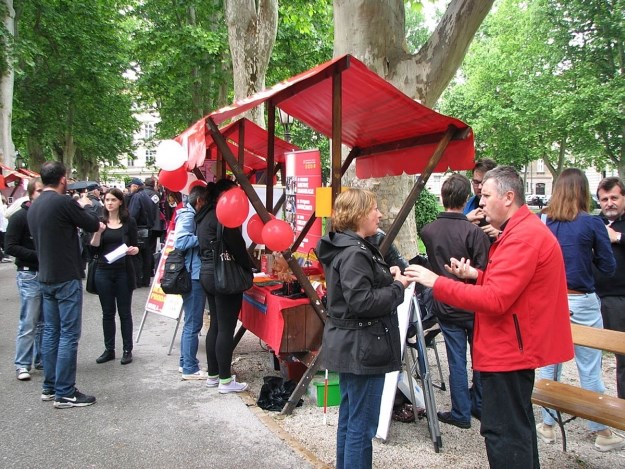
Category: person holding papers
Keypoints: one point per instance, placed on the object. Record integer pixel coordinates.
(115, 276)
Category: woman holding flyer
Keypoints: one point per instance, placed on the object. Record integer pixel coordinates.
(115, 280)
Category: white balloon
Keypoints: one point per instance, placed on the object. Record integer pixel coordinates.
(170, 155)
(190, 178)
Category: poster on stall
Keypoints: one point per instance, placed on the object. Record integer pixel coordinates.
(303, 176)
(158, 301)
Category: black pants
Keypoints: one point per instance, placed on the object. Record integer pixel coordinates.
(613, 312)
(115, 294)
(143, 264)
(224, 313)
(508, 425)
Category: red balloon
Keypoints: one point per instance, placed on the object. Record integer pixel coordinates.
(174, 180)
(277, 235)
(232, 208)
(255, 228)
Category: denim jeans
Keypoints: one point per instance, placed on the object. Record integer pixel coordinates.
(114, 294)
(29, 331)
(358, 419)
(463, 400)
(585, 310)
(62, 312)
(193, 304)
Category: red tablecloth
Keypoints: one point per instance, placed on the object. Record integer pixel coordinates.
(261, 314)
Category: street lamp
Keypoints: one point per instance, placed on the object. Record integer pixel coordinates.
(286, 120)
(19, 161)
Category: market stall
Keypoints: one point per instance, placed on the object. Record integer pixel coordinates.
(387, 133)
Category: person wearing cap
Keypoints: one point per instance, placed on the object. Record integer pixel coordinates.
(141, 208)
(155, 229)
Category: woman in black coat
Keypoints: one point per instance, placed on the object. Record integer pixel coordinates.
(115, 281)
(224, 309)
(361, 335)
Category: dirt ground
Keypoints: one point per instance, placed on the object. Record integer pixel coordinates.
(409, 444)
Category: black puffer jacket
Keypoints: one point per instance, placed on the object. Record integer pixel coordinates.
(361, 334)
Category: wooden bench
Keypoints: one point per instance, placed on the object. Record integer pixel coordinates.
(577, 402)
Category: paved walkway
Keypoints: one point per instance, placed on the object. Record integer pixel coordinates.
(145, 416)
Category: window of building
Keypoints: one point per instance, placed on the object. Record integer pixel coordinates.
(150, 157)
(540, 188)
(148, 130)
(540, 166)
(131, 161)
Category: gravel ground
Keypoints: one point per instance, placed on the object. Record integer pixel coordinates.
(409, 444)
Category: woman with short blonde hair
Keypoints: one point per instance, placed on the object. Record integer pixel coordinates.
(361, 334)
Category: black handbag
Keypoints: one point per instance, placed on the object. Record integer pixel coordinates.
(176, 278)
(230, 276)
(91, 268)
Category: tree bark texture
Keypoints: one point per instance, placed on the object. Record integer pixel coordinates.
(374, 32)
(252, 28)
(7, 150)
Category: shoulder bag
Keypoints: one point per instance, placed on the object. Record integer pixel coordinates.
(176, 278)
(230, 276)
(91, 268)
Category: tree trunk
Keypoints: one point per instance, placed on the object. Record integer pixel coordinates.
(252, 27)
(7, 150)
(374, 32)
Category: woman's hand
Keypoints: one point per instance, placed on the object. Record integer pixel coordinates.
(101, 228)
(461, 268)
(397, 275)
(132, 250)
(421, 275)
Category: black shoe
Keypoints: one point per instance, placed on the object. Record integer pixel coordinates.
(77, 399)
(446, 417)
(106, 356)
(47, 394)
(126, 358)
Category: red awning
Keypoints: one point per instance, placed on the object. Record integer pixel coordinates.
(11, 175)
(394, 133)
(199, 143)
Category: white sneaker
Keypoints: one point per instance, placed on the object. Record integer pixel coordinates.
(545, 433)
(232, 386)
(212, 382)
(180, 369)
(197, 375)
(22, 374)
(609, 443)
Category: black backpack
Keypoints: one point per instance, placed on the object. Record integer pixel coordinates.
(176, 278)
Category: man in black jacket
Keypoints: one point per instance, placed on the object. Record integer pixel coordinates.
(452, 235)
(19, 244)
(53, 220)
(141, 208)
(611, 290)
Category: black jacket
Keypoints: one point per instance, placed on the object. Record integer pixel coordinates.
(361, 334)
(453, 235)
(614, 285)
(19, 243)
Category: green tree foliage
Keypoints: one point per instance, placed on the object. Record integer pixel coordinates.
(530, 84)
(70, 94)
(182, 60)
(426, 209)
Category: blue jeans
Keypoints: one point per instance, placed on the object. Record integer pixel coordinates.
(463, 400)
(114, 294)
(585, 310)
(62, 312)
(29, 331)
(358, 419)
(193, 304)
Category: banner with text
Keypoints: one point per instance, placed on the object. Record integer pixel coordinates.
(303, 176)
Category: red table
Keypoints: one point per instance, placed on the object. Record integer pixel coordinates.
(286, 326)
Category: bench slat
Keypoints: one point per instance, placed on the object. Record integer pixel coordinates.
(602, 339)
(576, 401)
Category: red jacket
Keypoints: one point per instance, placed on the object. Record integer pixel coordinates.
(520, 300)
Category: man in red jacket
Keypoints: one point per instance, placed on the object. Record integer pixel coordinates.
(521, 316)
